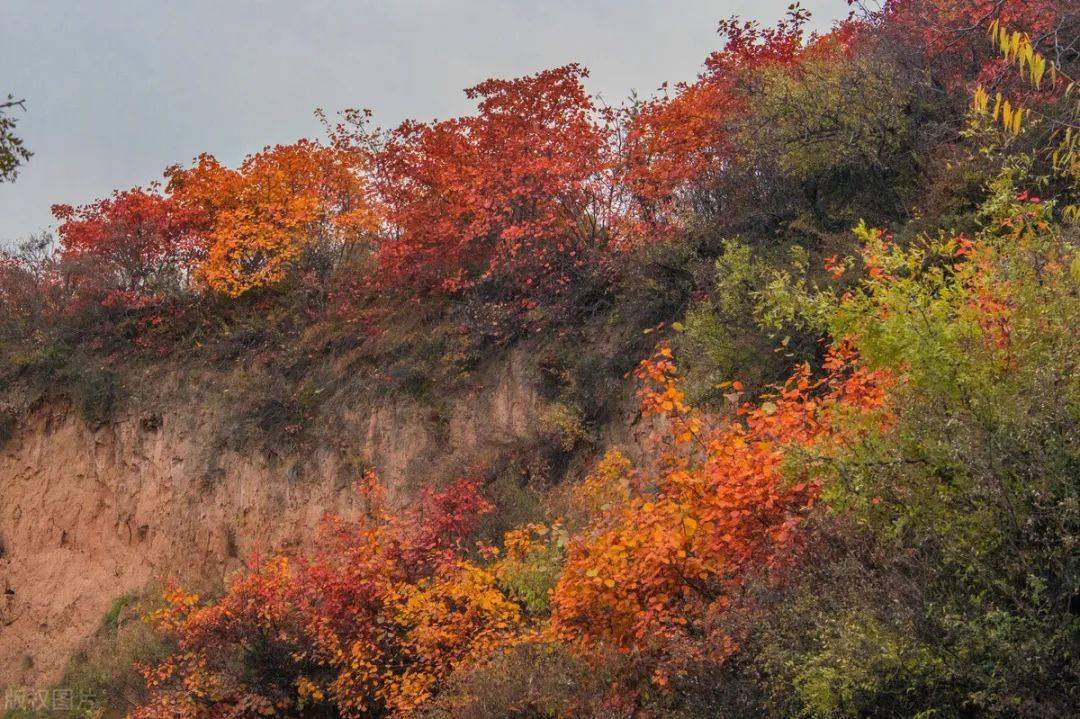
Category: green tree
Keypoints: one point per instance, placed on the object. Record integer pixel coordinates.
(12, 151)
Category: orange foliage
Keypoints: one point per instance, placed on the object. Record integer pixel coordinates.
(259, 218)
(388, 607)
(371, 622)
(665, 548)
(532, 197)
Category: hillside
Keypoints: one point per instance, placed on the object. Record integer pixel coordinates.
(755, 397)
(95, 511)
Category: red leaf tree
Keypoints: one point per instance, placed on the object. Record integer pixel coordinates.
(510, 196)
(136, 241)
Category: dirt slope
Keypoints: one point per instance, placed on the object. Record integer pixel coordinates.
(87, 514)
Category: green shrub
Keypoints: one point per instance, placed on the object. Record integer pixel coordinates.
(96, 395)
(40, 360)
(942, 578)
(730, 335)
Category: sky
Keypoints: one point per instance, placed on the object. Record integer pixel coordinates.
(117, 90)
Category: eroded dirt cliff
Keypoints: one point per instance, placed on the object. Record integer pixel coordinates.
(89, 513)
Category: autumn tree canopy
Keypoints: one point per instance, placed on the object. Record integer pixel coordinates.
(140, 234)
(258, 218)
(513, 196)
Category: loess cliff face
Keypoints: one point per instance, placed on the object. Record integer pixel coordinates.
(87, 514)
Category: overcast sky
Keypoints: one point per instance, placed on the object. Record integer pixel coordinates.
(117, 90)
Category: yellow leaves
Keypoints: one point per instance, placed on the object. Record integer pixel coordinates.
(606, 486)
(1038, 69)
(452, 618)
(690, 526)
(1015, 47)
(308, 692)
(980, 100)
(1015, 126)
(1010, 118)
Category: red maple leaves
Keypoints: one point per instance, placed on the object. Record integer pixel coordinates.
(136, 238)
(512, 196)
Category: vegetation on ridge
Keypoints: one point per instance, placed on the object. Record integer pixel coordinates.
(845, 269)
